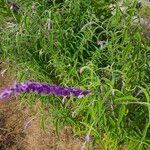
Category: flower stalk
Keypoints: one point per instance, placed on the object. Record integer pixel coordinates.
(43, 88)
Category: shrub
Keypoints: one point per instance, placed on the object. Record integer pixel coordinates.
(83, 44)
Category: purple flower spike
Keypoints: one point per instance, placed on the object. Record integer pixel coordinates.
(44, 88)
(6, 94)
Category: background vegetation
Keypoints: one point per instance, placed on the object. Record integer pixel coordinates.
(86, 44)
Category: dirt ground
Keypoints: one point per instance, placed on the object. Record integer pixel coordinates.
(20, 126)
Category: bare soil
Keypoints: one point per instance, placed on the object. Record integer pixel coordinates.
(20, 126)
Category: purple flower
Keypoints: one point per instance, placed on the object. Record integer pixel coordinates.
(44, 88)
(138, 93)
(13, 6)
(83, 146)
(87, 138)
(101, 43)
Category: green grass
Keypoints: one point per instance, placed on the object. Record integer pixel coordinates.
(67, 53)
